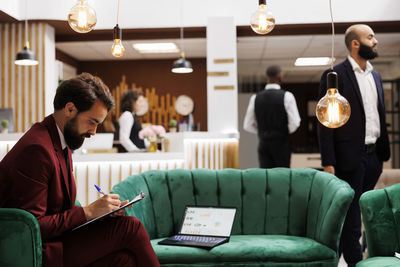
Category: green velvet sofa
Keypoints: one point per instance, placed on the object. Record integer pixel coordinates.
(20, 241)
(284, 217)
(380, 211)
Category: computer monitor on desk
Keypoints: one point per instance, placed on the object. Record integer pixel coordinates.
(100, 142)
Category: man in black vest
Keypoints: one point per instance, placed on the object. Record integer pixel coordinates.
(273, 115)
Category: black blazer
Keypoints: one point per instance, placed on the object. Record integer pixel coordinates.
(343, 147)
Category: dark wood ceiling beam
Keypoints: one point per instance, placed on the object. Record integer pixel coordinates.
(320, 28)
(242, 31)
(5, 18)
(65, 34)
(63, 57)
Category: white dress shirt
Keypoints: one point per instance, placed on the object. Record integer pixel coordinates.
(369, 95)
(62, 139)
(250, 122)
(126, 122)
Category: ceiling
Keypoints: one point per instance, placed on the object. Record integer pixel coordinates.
(254, 54)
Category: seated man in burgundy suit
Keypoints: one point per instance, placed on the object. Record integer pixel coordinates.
(36, 176)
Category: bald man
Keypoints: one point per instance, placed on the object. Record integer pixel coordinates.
(355, 152)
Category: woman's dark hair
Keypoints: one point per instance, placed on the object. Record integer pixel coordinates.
(83, 90)
(129, 98)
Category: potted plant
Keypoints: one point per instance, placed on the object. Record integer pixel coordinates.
(4, 125)
(172, 125)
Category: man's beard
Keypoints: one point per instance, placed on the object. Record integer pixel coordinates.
(366, 52)
(72, 137)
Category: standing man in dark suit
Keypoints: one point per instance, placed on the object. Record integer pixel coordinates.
(355, 152)
(273, 115)
(36, 175)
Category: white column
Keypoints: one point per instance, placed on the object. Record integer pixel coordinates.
(222, 94)
(51, 73)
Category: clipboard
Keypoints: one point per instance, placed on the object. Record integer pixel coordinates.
(136, 199)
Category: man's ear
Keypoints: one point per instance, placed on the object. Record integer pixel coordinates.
(70, 110)
(355, 44)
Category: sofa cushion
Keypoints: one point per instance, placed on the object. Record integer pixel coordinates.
(380, 262)
(247, 249)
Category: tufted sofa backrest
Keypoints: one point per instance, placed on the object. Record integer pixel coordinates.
(280, 201)
(381, 216)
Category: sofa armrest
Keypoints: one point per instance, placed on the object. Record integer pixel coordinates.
(380, 213)
(21, 243)
(330, 200)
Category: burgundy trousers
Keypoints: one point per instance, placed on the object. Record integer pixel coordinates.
(115, 241)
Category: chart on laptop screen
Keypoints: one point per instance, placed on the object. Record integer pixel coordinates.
(208, 221)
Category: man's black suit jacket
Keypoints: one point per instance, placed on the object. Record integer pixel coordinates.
(342, 147)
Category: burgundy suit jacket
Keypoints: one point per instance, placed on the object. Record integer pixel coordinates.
(34, 177)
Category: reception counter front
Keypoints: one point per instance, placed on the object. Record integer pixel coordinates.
(187, 150)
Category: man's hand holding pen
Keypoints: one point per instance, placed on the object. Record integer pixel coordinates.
(105, 204)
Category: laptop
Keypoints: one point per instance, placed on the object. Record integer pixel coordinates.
(203, 227)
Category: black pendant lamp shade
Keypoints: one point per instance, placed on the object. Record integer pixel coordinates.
(26, 57)
(181, 65)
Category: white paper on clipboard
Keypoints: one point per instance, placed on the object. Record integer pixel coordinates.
(136, 199)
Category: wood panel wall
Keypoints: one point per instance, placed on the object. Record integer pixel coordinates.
(22, 87)
(157, 74)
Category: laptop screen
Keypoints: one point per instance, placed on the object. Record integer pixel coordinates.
(209, 221)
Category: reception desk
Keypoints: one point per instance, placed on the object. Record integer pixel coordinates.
(187, 150)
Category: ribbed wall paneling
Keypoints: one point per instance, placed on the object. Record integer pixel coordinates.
(21, 87)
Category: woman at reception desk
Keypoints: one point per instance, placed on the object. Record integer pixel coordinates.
(129, 125)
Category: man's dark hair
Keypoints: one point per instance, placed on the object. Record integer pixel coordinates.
(130, 97)
(273, 71)
(83, 90)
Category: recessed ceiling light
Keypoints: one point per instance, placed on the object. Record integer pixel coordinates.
(313, 61)
(156, 47)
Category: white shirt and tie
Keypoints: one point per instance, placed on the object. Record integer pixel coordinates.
(250, 122)
(369, 94)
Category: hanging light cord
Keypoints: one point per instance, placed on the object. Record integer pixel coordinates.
(26, 24)
(333, 33)
(118, 13)
(181, 32)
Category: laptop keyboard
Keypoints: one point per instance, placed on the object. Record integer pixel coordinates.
(197, 239)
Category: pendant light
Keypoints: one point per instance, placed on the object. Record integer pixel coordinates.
(182, 65)
(333, 110)
(26, 57)
(117, 49)
(262, 21)
(82, 17)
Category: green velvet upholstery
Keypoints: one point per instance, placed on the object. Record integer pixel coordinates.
(20, 241)
(284, 217)
(380, 211)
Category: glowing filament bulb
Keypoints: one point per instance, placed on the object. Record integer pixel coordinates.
(262, 21)
(82, 17)
(117, 49)
(333, 110)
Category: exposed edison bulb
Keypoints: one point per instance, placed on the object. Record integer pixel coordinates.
(333, 110)
(262, 21)
(117, 49)
(82, 17)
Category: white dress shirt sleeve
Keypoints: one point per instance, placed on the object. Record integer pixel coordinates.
(126, 122)
(250, 122)
(292, 112)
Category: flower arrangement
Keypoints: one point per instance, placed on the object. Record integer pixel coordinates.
(152, 133)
